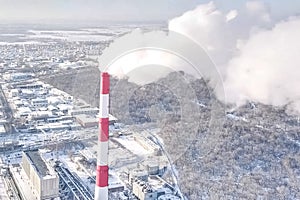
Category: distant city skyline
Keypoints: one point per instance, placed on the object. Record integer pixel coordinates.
(120, 10)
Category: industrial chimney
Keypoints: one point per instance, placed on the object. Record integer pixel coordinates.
(101, 188)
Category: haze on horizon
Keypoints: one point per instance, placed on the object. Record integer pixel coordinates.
(118, 10)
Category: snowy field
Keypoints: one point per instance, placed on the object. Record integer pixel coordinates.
(130, 144)
(3, 195)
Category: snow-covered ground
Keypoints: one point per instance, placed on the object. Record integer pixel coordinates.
(3, 194)
(80, 35)
(70, 37)
(20, 43)
(234, 117)
(130, 144)
(74, 167)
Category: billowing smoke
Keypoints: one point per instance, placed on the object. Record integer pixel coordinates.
(268, 67)
(258, 58)
(220, 33)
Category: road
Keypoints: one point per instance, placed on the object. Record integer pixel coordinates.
(13, 191)
(7, 111)
(172, 167)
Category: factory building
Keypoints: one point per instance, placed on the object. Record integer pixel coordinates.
(21, 76)
(2, 129)
(147, 144)
(153, 188)
(38, 102)
(36, 85)
(143, 191)
(85, 111)
(87, 121)
(43, 179)
(146, 170)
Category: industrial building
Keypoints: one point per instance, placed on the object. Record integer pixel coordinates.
(86, 111)
(2, 129)
(38, 102)
(153, 188)
(149, 168)
(143, 191)
(20, 76)
(87, 121)
(43, 179)
(147, 144)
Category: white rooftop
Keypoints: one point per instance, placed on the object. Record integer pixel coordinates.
(2, 129)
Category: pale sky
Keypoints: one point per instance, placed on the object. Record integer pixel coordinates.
(121, 10)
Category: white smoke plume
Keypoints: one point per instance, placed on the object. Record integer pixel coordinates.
(259, 59)
(221, 33)
(268, 67)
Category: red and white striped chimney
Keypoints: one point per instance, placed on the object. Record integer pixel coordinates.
(101, 189)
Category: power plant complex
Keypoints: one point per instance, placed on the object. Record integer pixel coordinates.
(55, 157)
(58, 141)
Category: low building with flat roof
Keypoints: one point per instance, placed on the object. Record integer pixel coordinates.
(87, 121)
(43, 178)
(2, 129)
(153, 188)
(85, 111)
